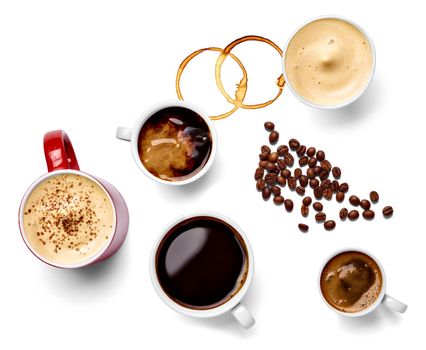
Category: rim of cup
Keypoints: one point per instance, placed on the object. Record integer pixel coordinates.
(22, 228)
(353, 98)
(378, 300)
(205, 313)
(140, 122)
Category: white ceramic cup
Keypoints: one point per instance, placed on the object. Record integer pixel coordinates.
(233, 305)
(353, 98)
(383, 298)
(132, 135)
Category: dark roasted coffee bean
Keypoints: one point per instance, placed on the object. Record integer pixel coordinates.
(326, 165)
(276, 191)
(343, 214)
(270, 166)
(318, 192)
(263, 156)
(320, 217)
(310, 173)
(313, 183)
(335, 186)
(300, 190)
(286, 173)
(328, 193)
(281, 180)
(387, 211)
(374, 196)
(292, 183)
(307, 201)
(303, 161)
(258, 173)
(274, 137)
(271, 178)
(312, 162)
(269, 126)
(320, 155)
(323, 175)
(354, 200)
(289, 159)
(266, 193)
(365, 204)
(336, 172)
(318, 206)
(317, 170)
(340, 196)
(273, 157)
(297, 173)
(304, 210)
(260, 184)
(281, 164)
(283, 149)
(301, 150)
(263, 163)
(288, 203)
(344, 187)
(368, 214)
(353, 215)
(278, 200)
(325, 184)
(329, 225)
(265, 149)
(303, 181)
(310, 152)
(304, 228)
(294, 144)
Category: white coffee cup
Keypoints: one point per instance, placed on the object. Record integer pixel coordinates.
(132, 135)
(383, 298)
(233, 305)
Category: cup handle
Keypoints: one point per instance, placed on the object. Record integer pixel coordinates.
(124, 133)
(59, 151)
(394, 304)
(243, 316)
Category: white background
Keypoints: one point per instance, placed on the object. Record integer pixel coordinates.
(90, 66)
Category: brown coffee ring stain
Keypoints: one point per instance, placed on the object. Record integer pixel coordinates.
(227, 51)
(240, 93)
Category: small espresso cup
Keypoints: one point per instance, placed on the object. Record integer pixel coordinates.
(380, 298)
(61, 161)
(232, 303)
(133, 134)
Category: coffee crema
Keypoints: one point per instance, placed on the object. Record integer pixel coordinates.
(202, 263)
(351, 281)
(329, 61)
(174, 143)
(68, 219)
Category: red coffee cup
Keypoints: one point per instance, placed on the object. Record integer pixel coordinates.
(61, 159)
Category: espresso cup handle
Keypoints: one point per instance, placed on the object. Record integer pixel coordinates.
(243, 316)
(394, 304)
(124, 133)
(58, 151)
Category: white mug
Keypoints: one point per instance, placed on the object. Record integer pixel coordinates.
(383, 298)
(233, 305)
(132, 135)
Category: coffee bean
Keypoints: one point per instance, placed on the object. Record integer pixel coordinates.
(273, 137)
(310, 173)
(340, 196)
(336, 172)
(323, 175)
(297, 173)
(353, 215)
(343, 214)
(344, 187)
(304, 228)
(300, 190)
(335, 186)
(303, 161)
(318, 192)
(304, 210)
(286, 173)
(325, 184)
(326, 165)
(303, 181)
(265, 149)
(313, 183)
(281, 164)
(307, 201)
(311, 151)
(291, 183)
(387, 211)
(260, 184)
(266, 193)
(320, 155)
(258, 173)
(294, 144)
(312, 162)
(278, 200)
(271, 178)
(281, 180)
(263, 156)
(263, 163)
(317, 170)
(283, 149)
(354, 200)
(269, 126)
(276, 191)
(301, 150)
(288, 203)
(368, 214)
(270, 166)
(365, 204)
(318, 206)
(328, 193)
(289, 159)
(320, 217)
(329, 225)
(273, 157)
(374, 196)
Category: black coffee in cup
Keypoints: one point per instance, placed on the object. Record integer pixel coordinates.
(202, 262)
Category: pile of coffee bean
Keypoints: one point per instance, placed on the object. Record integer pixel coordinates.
(274, 173)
